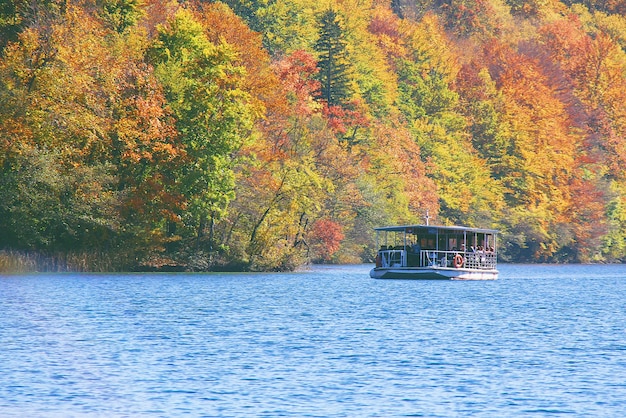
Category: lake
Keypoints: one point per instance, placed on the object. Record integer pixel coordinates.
(543, 340)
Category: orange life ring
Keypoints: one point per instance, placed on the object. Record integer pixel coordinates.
(458, 261)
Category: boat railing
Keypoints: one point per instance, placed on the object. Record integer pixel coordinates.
(393, 258)
(433, 258)
(480, 260)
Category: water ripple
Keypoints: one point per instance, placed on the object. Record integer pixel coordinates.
(541, 341)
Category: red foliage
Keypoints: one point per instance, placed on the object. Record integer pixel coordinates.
(325, 237)
(296, 73)
(341, 118)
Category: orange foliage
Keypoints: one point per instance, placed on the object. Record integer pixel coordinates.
(282, 123)
(385, 26)
(595, 66)
(225, 26)
(589, 213)
(395, 157)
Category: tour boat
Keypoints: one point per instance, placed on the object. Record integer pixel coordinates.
(435, 252)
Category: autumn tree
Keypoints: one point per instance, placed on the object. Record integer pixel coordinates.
(540, 165)
(11, 20)
(213, 116)
(277, 187)
(18, 15)
(325, 239)
(280, 191)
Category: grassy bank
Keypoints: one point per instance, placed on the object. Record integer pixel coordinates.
(29, 262)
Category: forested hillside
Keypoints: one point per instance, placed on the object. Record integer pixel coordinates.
(263, 134)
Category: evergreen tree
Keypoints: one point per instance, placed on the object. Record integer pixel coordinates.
(333, 60)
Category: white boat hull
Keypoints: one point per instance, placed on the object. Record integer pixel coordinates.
(432, 273)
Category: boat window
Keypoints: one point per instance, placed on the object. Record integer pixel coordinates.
(427, 242)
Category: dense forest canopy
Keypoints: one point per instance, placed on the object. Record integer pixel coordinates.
(264, 134)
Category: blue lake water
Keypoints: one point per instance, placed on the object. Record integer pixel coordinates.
(543, 340)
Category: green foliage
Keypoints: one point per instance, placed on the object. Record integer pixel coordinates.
(47, 207)
(467, 192)
(10, 22)
(613, 247)
(610, 7)
(423, 94)
(203, 89)
(121, 14)
(287, 27)
(17, 15)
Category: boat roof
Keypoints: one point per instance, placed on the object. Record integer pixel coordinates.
(401, 228)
